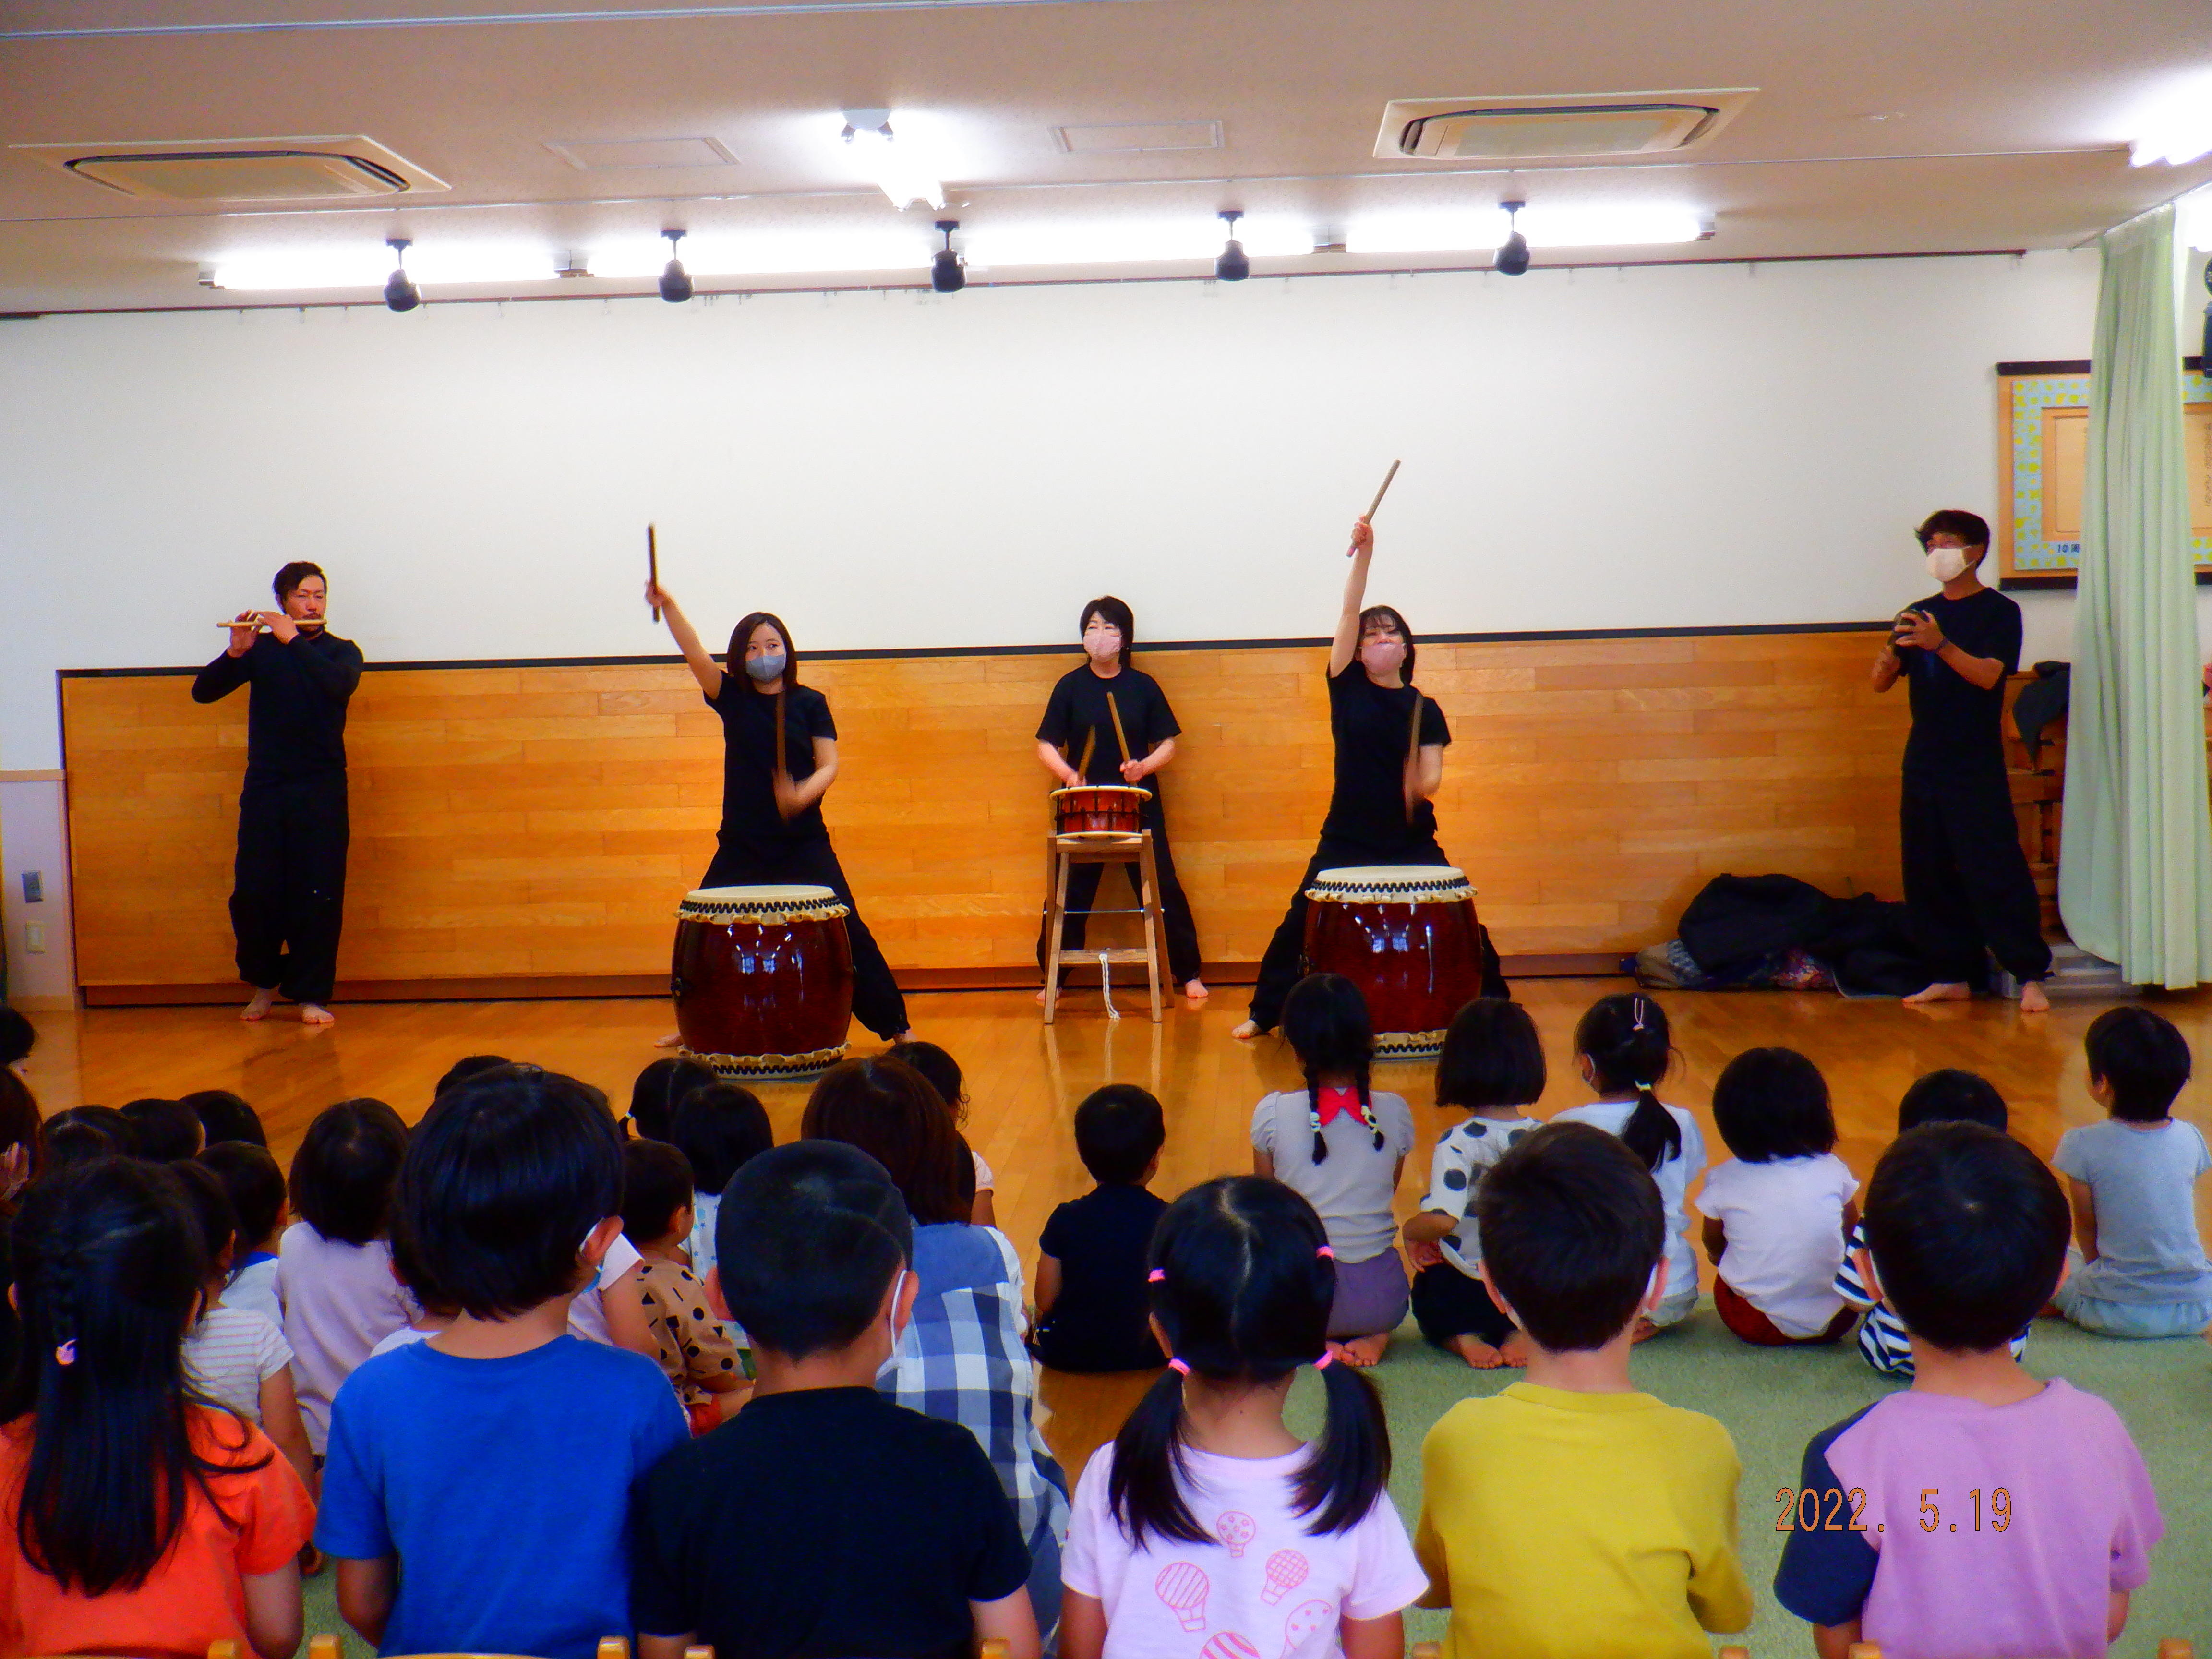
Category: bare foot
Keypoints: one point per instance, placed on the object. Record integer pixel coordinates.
(907, 1036)
(1246, 1030)
(1514, 1352)
(314, 1013)
(259, 1007)
(1942, 991)
(2032, 998)
(1040, 996)
(673, 1040)
(1645, 1330)
(1362, 1351)
(1195, 990)
(1477, 1352)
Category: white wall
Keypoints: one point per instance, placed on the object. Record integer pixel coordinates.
(34, 836)
(1589, 450)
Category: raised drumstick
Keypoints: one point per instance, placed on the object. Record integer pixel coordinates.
(1089, 747)
(1370, 515)
(1119, 736)
(653, 569)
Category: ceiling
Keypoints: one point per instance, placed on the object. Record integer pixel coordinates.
(1883, 127)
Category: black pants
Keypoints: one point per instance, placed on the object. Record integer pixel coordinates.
(1966, 884)
(1082, 881)
(1284, 964)
(1446, 1303)
(287, 890)
(877, 1001)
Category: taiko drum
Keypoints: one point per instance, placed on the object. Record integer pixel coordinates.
(763, 980)
(1115, 809)
(1407, 936)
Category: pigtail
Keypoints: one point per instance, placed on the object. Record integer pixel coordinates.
(1313, 1116)
(1143, 1491)
(1626, 1039)
(1361, 1078)
(1351, 1463)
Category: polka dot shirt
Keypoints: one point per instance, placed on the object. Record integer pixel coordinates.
(1463, 1152)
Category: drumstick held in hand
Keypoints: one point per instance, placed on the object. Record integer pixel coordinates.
(653, 565)
(1370, 515)
(1413, 757)
(1119, 736)
(1090, 745)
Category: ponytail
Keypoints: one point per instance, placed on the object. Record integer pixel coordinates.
(1625, 1037)
(1144, 1490)
(1325, 1022)
(1351, 1462)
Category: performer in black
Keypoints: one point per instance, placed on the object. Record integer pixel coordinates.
(1379, 811)
(1966, 882)
(1077, 719)
(772, 830)
(287, 894)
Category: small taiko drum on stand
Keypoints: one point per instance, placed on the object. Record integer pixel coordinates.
(763, 980)
(1099, 809)
(1405, 935)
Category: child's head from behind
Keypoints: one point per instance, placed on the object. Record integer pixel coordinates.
(810, 1240)
(1968, 1232)
(940, 1067)
(256, 1187)
(1572, 1227)
(226, 1117)
(469, 1066)
(1491, 1057)
(1771, 1104)
(719, 1128)
(1119, 1132)
(167, 1130)
(1241, 1283)
(2140, 1059)
(893, 1113)
(108, 1268)
(1951, 1096)
(506, 1181)
(343, 1173)
(1625, 1046)
(660, 1089)
(83, 1134)
(212, 1213)
(1326, 1023)
(656, 1191)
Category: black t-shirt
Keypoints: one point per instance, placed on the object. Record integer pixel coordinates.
(1957, 726)
(748, 757)
(1098, 1322)
(296, 715)
(828, 1524)
(1077, 708)
(1373, 726)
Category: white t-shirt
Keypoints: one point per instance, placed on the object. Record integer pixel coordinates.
(230, 1353)
(1784, 1221)
(1269, 1590)
(1464, 1153)
(254, 1287)
(340, 1301)
(705, 1207)
(1673, 1176)
(587, 1315)
(1353, 1189)
(984, 1179)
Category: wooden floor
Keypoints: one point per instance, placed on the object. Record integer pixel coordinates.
(1025, 1079)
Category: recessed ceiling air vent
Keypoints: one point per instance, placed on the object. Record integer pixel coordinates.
(1531, 129)
(242, 169)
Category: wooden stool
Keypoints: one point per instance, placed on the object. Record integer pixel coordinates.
(1062, 853)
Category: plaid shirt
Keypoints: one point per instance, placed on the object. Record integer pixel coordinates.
(962, 1360)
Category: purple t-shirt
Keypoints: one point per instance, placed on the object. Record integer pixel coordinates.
(1989, 1531)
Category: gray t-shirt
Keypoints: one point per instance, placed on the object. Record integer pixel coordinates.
(1352, 1189)
(2148, 1248)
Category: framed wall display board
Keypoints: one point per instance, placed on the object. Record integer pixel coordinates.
(2043, 425)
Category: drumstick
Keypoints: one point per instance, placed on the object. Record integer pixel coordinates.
(1370, 515)
(1089, 743)
(1413, 757)
(652, 567)
(1119, 736)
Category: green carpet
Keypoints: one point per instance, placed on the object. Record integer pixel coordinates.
(1774, 1399)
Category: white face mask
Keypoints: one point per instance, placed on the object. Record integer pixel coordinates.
(1383, 656)
(1946, 564)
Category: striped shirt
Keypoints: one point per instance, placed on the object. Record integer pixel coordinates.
(230, 1353)
(1882, 1336)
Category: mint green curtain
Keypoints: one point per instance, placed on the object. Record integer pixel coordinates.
(2135, 876)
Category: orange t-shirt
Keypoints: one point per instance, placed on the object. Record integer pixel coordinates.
(196, 1593)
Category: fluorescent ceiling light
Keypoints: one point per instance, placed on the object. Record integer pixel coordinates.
(895, 165)
(367, 267)
(1485, 228)
(2177, 129)
(771, 255)
(1153, 242)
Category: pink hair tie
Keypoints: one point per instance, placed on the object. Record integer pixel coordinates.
(1326, 1251)
(1326, 1360)
(66, 1354)
(1178, 1367)
(1158, 1275)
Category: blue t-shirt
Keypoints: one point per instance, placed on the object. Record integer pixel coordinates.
(503, 1487)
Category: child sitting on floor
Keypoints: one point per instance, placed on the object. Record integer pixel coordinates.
(134, 1517)
(477, 1489)
(1208, 1513)
(718, 1128)
(1570, 1514)
(225, 1116)
(1950, 1096)
(660, 1089)
(1624, 1049)
(1777, 1213)
(933, 1062)
(2142, 1270)
(694, 1351)
(1341, 1146)
(168, 1131)
(1093, 1313)
(1983, 1510)
(891, 1535)
(1493, 1069)
(256, 1188)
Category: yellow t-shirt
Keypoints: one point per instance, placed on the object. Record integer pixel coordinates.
(1581, 1526)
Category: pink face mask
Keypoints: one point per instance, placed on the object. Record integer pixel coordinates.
(1383, 656)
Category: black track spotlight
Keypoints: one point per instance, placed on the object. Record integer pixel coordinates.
(675, 281)
(947, 274)
(1512, 256)
(399, 290)
(1231, 264)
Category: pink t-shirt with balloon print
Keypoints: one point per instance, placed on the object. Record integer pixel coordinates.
(1266, 1589)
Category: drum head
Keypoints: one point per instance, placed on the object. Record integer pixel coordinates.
(1401, 883)
(1102, 789)
(750, 895)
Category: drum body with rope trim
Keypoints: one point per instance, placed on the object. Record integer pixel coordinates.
(1115, 809)
(763, 980)
(1405, 935)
